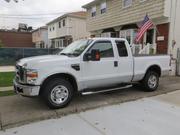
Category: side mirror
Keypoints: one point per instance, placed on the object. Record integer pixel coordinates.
(93, 56)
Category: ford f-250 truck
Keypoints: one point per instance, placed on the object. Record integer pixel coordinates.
(87, 65)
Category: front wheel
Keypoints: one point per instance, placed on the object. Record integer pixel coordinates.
(58, 93)
(151, 81)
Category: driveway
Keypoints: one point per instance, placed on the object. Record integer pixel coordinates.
(158, 115)
(17, 110)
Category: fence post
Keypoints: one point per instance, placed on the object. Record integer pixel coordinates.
(23, 52)
(48, 50)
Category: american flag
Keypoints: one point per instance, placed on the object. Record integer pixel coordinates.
(146, 24)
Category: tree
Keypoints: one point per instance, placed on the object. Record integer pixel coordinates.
(1, 44)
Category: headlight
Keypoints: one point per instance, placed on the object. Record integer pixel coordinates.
(31, 76)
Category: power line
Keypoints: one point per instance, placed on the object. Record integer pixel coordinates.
(6, 17)
(13, 0)
(42, 14)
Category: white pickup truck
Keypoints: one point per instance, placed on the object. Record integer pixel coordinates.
(97, 64)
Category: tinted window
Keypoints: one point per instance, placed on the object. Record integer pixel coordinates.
(121, 46)
(105, 48)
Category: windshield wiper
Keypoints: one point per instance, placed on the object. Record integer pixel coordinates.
(64, 54)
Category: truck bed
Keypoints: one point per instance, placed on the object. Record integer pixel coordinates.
(143, 62)
(148, 55)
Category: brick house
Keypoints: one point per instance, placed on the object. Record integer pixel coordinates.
(121, 18)
(16, 39)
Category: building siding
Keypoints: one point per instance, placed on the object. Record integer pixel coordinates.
(116, 15)
(40, 35)
(16, 39)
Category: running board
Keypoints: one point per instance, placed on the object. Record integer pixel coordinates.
(106, 90)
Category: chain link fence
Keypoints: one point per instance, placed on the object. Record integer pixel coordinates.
(9, 56)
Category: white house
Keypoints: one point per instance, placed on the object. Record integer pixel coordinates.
(67, 28)
(121, 18)
(174, 36)
(40, 37)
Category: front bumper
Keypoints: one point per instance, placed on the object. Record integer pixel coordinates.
(26, 90)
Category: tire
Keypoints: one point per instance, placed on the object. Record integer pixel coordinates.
(57, 93)
(151, 81)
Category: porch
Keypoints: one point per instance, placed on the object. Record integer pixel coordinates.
(61, 42)
(155, 40)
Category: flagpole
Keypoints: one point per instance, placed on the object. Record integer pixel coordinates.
(157, 30)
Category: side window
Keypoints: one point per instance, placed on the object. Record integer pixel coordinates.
(121, 46)
(93, 11)
(105, 48)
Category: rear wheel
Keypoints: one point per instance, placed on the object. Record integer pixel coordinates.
(151, 81)
(58, 93)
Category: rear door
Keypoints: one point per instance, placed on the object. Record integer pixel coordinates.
(100, 73)
(125, 62)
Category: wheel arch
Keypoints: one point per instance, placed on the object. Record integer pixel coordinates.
(155, 68)
(66, 76)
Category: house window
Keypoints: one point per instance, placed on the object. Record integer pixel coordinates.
(103, 7)
(64, 23)
(49, 29)
(93, 11)
(53, 28)
(59, 24)
(150, 36)
(127, 3)
(129, 34)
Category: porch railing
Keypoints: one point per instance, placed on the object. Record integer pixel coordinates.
(143, 49)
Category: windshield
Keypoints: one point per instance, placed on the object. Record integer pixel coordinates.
(76, 48)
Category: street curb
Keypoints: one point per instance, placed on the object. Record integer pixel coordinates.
(3, 89)
(60, 113)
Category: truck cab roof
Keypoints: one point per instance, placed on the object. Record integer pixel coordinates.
(103, 38)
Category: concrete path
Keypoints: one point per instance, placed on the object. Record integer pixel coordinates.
(6, 88)
(17, 110)
(158, 115)
(7, 69)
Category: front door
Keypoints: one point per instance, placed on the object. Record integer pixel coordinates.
(100, 73)
(162, 45)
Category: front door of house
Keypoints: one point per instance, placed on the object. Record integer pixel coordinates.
(162, 37)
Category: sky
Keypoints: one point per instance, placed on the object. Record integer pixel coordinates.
(35, 13)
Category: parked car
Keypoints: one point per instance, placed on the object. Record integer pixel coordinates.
(87, 65)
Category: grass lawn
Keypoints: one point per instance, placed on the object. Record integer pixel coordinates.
(6, 79)
(6, 93)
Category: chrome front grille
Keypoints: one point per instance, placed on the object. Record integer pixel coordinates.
(20, 75)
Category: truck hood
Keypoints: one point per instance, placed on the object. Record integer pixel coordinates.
(41, 59)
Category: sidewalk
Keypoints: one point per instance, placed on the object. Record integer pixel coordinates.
(7, 69)
(6, 88)
(17, 110)
(159, 115)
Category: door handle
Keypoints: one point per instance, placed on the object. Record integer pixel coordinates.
(115, 63)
